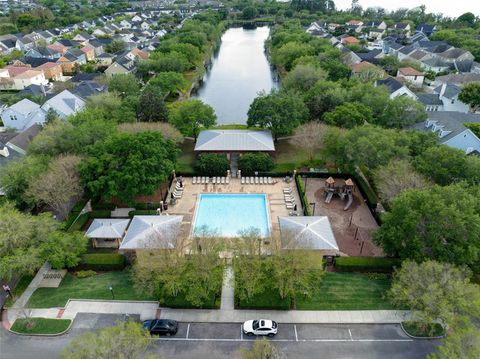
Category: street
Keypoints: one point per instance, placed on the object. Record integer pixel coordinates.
(223, 340)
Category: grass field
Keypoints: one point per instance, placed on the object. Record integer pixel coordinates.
(186, 157)
(19, 289)
(96, 287)
(40, 325)
(336, 291)
(289, 157)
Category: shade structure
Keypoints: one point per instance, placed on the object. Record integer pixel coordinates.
(234, 141)
(107, 228)
(312, 232)
(152, 232)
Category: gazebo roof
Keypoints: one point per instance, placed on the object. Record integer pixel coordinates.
(107, 228)
(312, 232)
(235, 141)
(330, 180)
(152, 232)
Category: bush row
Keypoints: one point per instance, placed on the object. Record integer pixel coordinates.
(83, 219)
(366, 264)
(144, 212)
(103, 261)
(303, 196)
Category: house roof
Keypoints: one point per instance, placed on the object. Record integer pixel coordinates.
(450, 120)
(453, 53)
(451, 90)
(34, 90)
(351, 40)
(86, 49)
(458, 79)
(391, 83)
(312, 232)
(108, 228)
(25, 106)
(364, 65)
(235, 140)
(7, 156)
(23, 139)
(409, 71)
(16, 70)
(29, 74)
(429, 99)
(47, 65)
(64, 103)
(153, 232)
(86, 89)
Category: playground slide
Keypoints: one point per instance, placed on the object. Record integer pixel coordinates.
(349, 203)
(329, 197)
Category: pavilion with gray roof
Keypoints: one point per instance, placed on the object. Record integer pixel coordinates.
(234, 141)
(107, 232)
(307, 232)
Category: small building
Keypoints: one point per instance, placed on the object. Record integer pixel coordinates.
(430, 101)
(107, 232)
(51, 70)
(152, 232)
(412, 76)
(395, 88)
(311, 233)
(350, 40)
(451, 130)
(23, 115)
(234, 141)
(448, 94)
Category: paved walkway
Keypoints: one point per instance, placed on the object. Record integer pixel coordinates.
(227, 302)
(121, 212)
(23, 299)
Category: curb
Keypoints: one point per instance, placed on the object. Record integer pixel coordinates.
(5, 322)
(420, 338)
(44, 335)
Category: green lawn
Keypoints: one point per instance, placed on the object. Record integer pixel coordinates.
(336, 291)
(19, 289)
(95, 287)
(40, 326)
(186, 157)
(289, 157)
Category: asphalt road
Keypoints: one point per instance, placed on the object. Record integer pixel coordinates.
(223, 340)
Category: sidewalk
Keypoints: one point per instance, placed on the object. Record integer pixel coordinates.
(23, 299)
(227, 302)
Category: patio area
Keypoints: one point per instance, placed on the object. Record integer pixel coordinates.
(187, 204)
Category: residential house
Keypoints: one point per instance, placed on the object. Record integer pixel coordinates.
(89, 53)
(395, 88)
(315, 27)
(43, 52)
(426, 29)
(61, 49)
(412, 76)
(333, 26)
(457, 79)
(374, 56)
(22, 115)
(378, 24)
(34, 91)
(145, 25)
(97, 46)
(124, 24)
(17, 78)
(64, 104)
(367, 71)
(430, 101)
(354, 23)
(448, 94)
(122, 65)
(7, 43)
(403, 28)
(47, 36)
(376, 33)
(25, 43)
(349, 57)
(51, 70)
(451, 131)
(350, 40)
(85, 89)
(83, 38)
(19, 143)
(105, 59)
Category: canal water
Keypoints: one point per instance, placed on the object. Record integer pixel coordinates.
(238, 72)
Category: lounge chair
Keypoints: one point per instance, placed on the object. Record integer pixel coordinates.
(242, 181)
(256, 180)
(287, 190)
(214, 180)
(260, 180)
(269, 179)
(194, 180)
(227, 180)
(290, 206)
(247, 180)
(223, 180)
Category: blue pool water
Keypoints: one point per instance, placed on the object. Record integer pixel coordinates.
(228, 214)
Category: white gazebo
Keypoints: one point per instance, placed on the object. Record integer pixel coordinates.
(152, 232)
(107, 232)
(308, 232)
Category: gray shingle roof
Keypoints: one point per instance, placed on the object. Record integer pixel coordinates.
(235, 140)
(429, 99)
(451, 91)
(392, 84)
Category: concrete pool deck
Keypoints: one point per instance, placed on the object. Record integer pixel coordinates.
(186, 205)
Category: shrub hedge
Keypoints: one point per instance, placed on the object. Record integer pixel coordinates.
(366, 264)
(103, 261)
(212, 164)
(249, 163)
(303, 196)
(143, 212)
(101, 206)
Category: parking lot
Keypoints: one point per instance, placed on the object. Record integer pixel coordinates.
(292, 333)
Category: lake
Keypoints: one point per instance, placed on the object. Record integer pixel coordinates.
(238, 72)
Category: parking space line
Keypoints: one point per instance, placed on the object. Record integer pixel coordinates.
(188, 330)
(241, 332)
(296, 334)
(284, 340)
(350, 332)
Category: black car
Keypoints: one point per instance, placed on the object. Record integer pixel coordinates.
(161, 326)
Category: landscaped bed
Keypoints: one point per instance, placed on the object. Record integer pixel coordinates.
(96, 287)
(336, 291)
(40, 326)
(423, 330)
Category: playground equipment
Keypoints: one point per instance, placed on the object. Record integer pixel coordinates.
(343, 191)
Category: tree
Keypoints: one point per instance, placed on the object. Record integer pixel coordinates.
(212, 164)
(348, 115)
(115, 46)
(64, 250)
(152, 107)
(309, 137)
(324, 97)
(126, 340)
(166, 129)
(470, 94)
(249, 163)
(390, 64)
(289, 52)
(124, 84)
(249, 13)
(110, 106)
(168, 83)
(401, 112)
(279, 111)
(445, 165)
(462, 342)
(261, 349)
(397, 176)
(16, 176)
(126, 165)
(302, 78)
(439, 223)
(52, 116)
(59, 185)
(190, 116)
(468, 18)
(435, 291)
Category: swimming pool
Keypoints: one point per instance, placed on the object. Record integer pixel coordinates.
(228, 214)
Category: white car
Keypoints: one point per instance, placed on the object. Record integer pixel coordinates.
(260, 327)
